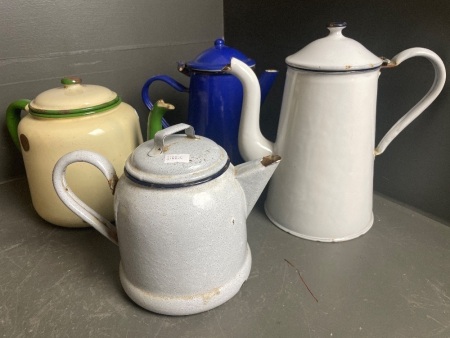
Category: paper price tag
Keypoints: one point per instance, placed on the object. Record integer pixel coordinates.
(176, 158)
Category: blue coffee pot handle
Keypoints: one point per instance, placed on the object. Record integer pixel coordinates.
(164, 78)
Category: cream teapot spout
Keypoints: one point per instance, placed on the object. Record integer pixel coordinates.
(253, 177)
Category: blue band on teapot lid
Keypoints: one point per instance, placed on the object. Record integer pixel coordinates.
(175, 160)
(177, 185)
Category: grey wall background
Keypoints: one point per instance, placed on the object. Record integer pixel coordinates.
(415, 167)
(119, 44)
(114, 43)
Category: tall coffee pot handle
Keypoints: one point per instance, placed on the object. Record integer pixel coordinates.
(436, 88)
(81, 209)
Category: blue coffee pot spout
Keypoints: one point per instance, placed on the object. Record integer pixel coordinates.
(215, 95)
(266, 80)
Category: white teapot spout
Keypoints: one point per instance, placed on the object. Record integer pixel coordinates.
(253, 177)
(252, 144)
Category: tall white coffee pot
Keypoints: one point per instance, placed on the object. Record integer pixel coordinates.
(323, 188)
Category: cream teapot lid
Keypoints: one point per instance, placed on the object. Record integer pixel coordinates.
(73, 99)
(334, 53)
(175, 160)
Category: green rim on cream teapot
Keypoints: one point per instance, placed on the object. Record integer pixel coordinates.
(73, 99)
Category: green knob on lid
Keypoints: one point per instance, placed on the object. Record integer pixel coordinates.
(70, 80)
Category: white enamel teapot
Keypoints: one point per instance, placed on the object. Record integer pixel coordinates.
(323, 188)
(180, 211)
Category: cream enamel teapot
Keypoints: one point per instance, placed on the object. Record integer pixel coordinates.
(323, 188)
(60, 120)
(180, 211)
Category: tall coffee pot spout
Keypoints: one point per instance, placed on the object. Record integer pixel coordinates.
(253, 177)
(252, 144)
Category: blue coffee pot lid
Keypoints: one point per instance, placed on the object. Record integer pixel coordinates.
(216, 58)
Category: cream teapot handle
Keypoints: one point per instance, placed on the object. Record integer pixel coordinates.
(81, 209)
(436, 88)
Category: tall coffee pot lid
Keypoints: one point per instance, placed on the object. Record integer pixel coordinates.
(334, 53)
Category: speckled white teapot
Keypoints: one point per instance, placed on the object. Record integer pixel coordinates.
(180, 211)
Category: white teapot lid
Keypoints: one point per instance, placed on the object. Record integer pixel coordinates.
(174, 160)
(334, 53)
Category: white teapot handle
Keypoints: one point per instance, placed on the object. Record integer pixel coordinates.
(81, 209)
(438, 84)
(158, 146)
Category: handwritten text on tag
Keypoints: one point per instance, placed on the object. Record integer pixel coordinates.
(176, 158)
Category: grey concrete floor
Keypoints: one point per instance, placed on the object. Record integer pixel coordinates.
(392, 282)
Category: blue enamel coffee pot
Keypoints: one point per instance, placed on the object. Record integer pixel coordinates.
(215, 96)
